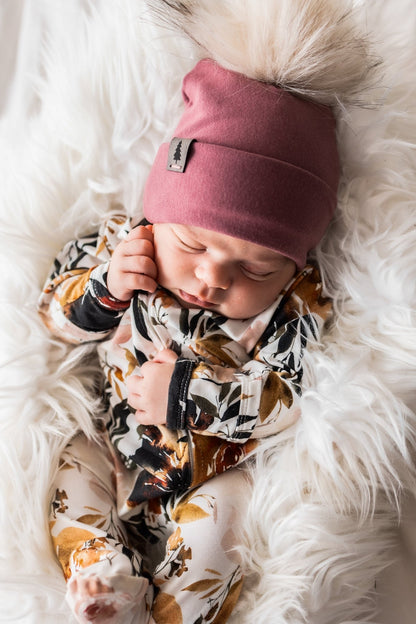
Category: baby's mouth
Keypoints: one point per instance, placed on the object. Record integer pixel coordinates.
(194, 301)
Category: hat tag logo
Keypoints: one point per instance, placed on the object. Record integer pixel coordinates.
(178, 154)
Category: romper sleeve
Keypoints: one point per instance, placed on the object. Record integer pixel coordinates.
(262, 396)
(75, 303)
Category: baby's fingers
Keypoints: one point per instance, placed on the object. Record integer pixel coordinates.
(165, 356)
(140, 232)
(137, 247)
(139, 273)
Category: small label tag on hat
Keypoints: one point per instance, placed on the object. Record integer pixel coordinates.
(178, 154)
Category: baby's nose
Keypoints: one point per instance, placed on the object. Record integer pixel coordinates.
(214, 275)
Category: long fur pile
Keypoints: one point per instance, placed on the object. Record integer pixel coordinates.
(103, 92)
(314, 48)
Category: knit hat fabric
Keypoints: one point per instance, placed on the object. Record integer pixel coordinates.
(250, 160)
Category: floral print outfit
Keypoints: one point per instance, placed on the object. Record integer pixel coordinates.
(234, 382)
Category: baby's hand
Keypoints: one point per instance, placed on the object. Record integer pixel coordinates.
(148, 392)
(132, 266)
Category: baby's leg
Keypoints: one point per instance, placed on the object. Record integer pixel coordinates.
(200, 578)
(103, 575)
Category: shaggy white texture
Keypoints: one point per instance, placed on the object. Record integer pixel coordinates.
(314, 48)
(96, 88)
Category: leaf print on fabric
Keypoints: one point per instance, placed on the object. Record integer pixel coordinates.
(161, 450)
(198, 421)
(140, 311)
(114, 376)
(176, 562)
(59, 502)
(157, 313)
(219, 373)
(132, 362)
(175, 539)
(203, 586)
(71, 548)
(163, 456)
(166, 610)
(96, 520)
(91, 552)
(184, 321)
(231, 412)
(73, 290)
(235, 394)
(205, 405)
(118, 426)
(188, 512)
(212, 456)
(310, 290)
(212, 571)
(225, 390)
(275, 390)
(222, 594)
(166, 299)
(229, 603)
(189, 321)
(103, 245)
(214, 348)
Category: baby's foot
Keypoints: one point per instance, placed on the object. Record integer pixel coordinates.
(93, 600)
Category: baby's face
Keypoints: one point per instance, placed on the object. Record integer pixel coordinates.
(205, 269)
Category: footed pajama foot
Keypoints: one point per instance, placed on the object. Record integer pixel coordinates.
(116, 600)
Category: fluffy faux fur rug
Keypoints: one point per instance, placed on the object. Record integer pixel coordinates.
(96, 88)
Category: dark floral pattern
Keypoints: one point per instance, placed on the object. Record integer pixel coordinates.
(235, 380)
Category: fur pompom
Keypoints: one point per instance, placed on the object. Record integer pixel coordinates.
(314, 48)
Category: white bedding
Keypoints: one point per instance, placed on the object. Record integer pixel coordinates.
(87, 92)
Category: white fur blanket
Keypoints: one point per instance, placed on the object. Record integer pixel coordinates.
(88, 91)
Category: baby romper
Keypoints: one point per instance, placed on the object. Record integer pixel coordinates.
(235, 381)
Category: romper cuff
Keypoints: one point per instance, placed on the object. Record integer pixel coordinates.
(96, 310)
(99, 290)
(178, 393)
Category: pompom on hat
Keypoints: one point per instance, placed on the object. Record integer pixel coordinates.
(250, 160)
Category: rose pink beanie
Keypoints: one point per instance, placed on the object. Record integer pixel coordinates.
(249, 160)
